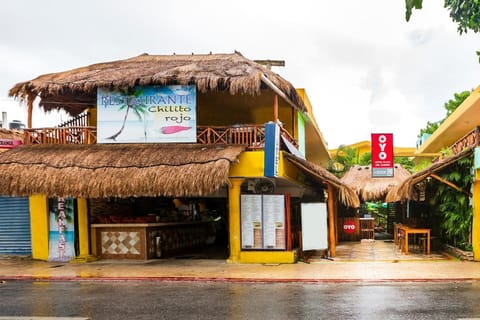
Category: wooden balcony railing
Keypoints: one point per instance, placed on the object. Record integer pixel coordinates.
(79, 121)
(61, 135)
(471, 139)
(252, 136)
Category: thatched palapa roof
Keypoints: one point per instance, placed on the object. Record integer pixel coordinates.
(360, 179)
(345, 194)
(10, 134)
(115, 170)
(405, 191)
(75, 90)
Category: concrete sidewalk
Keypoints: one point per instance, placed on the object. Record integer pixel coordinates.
(218, 270)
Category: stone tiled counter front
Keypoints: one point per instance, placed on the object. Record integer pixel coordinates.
(143, 241)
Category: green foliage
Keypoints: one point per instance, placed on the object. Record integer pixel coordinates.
(452, 104)
(430, 128)
(465, 13)
(365, 159)
(406, 162)
(411, 4)
(344, 158)
(453, 206)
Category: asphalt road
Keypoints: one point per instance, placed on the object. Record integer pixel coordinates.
(205, 300)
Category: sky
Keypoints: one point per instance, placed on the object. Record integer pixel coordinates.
(364, 68)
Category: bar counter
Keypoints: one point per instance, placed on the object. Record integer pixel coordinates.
(144, 241)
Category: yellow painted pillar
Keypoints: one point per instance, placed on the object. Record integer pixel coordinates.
(39, 226)
(234, 219)
(83, 232)
(476, 217)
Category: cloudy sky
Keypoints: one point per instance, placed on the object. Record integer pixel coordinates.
(364, 67)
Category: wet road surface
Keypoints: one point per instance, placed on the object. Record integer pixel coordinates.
(204, 300)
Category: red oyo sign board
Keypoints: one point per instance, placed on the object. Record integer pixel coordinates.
(382, 155)
(349, 226)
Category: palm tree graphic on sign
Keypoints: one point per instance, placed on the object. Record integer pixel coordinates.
(131, 103)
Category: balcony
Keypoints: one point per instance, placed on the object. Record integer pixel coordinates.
(61, 135)
(469, 140)
(252, 136)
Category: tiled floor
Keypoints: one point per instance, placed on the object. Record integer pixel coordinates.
(381, 250)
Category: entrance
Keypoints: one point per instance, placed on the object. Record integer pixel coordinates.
(375, 225)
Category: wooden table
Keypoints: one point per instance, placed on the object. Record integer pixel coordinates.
(410, 230)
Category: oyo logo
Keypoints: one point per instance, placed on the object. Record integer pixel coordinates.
(382, 139)
(349, 227)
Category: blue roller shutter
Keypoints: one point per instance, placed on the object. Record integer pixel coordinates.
(15, 236)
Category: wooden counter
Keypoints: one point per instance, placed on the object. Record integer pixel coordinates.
(148, 240)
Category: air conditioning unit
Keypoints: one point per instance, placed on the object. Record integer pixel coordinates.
(261, 185)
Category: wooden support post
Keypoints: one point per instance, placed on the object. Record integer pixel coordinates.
(332, 245)
(288, 219)
(30, 99)
(275, 108)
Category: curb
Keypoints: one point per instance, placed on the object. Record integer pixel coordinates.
(229, 280)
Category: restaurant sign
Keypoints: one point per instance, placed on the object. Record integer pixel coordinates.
(157, 114)
(382, 155)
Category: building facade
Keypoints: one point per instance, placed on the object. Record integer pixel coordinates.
(161, 148)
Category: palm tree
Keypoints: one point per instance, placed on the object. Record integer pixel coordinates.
(130, 103)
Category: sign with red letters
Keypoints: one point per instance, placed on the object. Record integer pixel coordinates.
(382, 155)
(349, 226)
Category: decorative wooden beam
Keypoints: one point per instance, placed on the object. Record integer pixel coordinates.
(269, 63)
(450, 184)
(275, 108)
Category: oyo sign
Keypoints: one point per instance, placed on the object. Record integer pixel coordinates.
(349, 226)
(382, 155)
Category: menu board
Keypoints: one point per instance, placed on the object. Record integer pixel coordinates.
(251, 219)
(263, 221)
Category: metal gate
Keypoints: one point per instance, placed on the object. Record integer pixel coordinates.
(15, 236)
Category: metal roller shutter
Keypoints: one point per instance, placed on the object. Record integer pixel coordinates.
(15, 236)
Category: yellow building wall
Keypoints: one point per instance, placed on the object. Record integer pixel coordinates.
(250, 164)
(39, 226)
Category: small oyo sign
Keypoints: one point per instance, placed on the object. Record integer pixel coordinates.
(349, 226)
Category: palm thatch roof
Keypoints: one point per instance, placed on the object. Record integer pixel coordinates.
(345, 194)
(406, 190)
(75, 90)
(117, 170)
(11, 134)
(360, 179)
